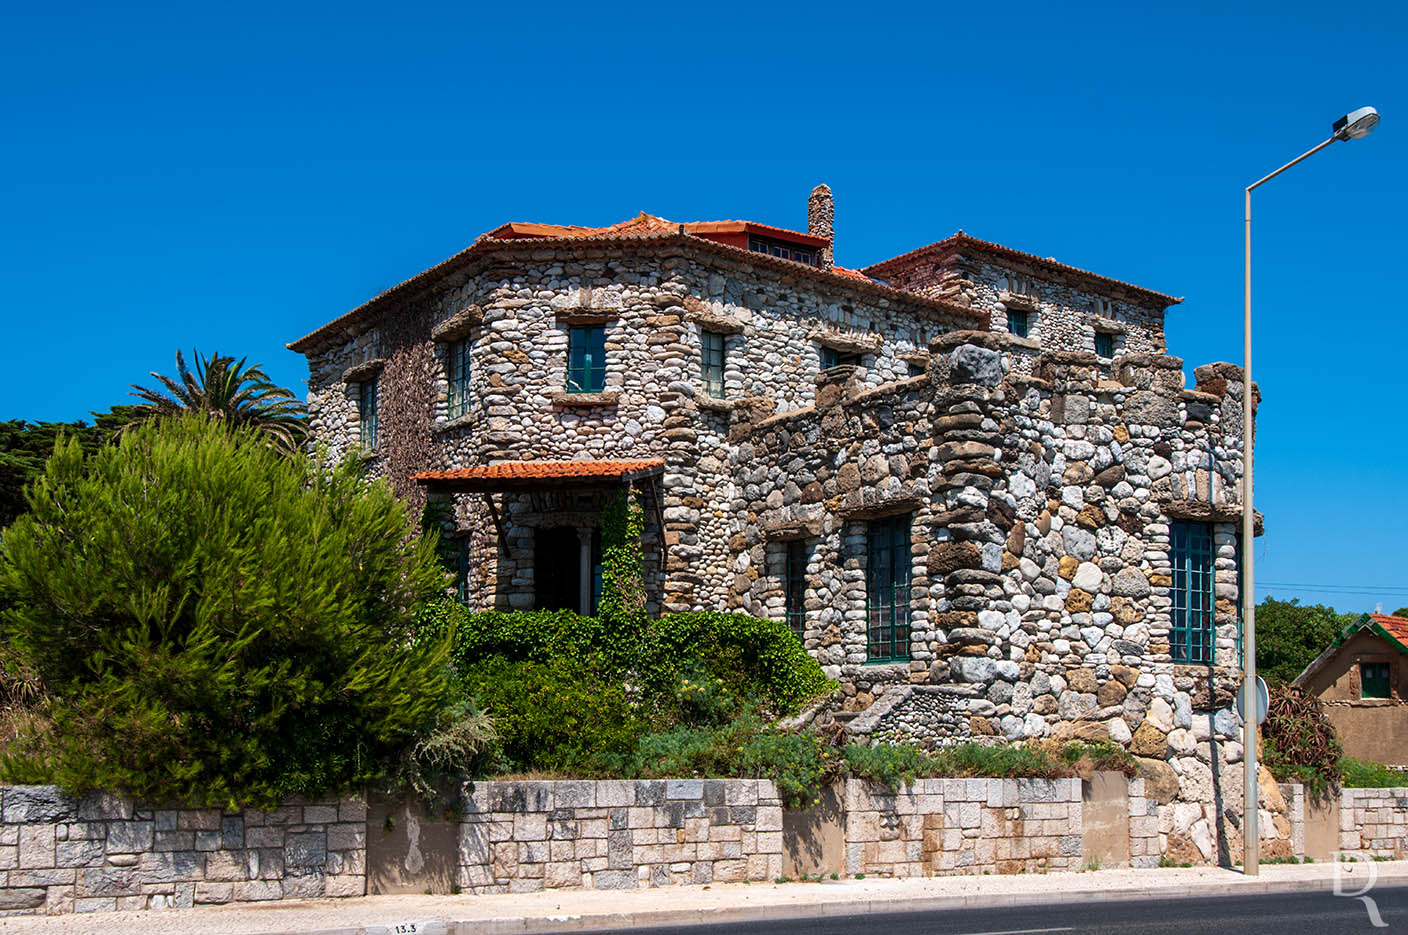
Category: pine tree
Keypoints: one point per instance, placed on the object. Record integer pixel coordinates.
(212, 621)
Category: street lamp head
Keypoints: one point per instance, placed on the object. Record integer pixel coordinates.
(1356, 124)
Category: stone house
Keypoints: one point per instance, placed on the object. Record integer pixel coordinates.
(1362, 680)
(969, 478)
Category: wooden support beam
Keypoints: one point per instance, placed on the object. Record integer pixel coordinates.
(498, 521)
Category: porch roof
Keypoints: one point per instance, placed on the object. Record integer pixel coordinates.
(536, 475)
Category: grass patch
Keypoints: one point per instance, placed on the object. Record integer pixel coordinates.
(896, 765)
(1361, 774)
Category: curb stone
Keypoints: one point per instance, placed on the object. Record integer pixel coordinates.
(544, 925)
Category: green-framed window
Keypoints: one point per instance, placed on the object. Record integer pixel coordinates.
(367, 412)
(457, 375)
(462, 570)
(1019, 322)
(586, 359)
(1373, 680)
(794, 585)
(712, 346)
(1104, 344)
(887, 589)
(830, 357)
(1191, 550)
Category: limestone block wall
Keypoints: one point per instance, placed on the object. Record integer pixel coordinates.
(953, 826)
(60, 854)
(1374, 822)
(520, 837)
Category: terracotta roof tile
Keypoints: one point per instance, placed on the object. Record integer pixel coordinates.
(644, 223)
(347, 324)
(961, 239)
(1398, 626)
(544, 470)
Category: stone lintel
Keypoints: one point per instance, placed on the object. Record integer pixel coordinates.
(581, 400)
(712, 321)
(849, 343)
(458, 325)
(367, 369)
(1108, 325)
(1019, 302)
(586, 317)
(880, 509)
(1204, 511)
(785, 530)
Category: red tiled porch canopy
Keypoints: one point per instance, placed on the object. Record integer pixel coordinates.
(535, 475)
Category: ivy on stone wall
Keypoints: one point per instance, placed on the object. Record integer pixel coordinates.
(622, 605)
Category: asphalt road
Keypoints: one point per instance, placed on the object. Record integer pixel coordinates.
(1281, 914)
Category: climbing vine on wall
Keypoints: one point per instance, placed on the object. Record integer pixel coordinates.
(622, 605)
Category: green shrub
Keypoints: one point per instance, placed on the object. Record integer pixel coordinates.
(999, 760)
(521, 635)
(1361, 774)
(755, 658)
(797, 762)
(898, 764)
(554, 715)
(894, 764)
(214, 622)
(697, 669)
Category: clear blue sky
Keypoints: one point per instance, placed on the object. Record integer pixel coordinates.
(228, 177)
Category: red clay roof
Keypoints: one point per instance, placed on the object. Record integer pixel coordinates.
(648, 224)
(961, 239)
(544, 470)
(346, 324)
(1398, 626)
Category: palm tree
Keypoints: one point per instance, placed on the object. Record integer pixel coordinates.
(224, 388)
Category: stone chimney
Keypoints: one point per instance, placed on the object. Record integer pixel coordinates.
(821, 218)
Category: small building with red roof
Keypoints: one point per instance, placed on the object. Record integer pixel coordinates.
(1362, 681)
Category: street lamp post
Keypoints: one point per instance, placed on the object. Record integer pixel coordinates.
(1352, 126)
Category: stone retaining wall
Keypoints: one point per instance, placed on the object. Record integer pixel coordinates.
(1374, 822)
(59, 854)
(520, 837)
(947, 826)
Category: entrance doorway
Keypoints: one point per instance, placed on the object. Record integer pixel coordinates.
(557, 568)
(561, 558)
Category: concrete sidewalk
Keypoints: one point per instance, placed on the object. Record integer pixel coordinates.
(573, 910)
